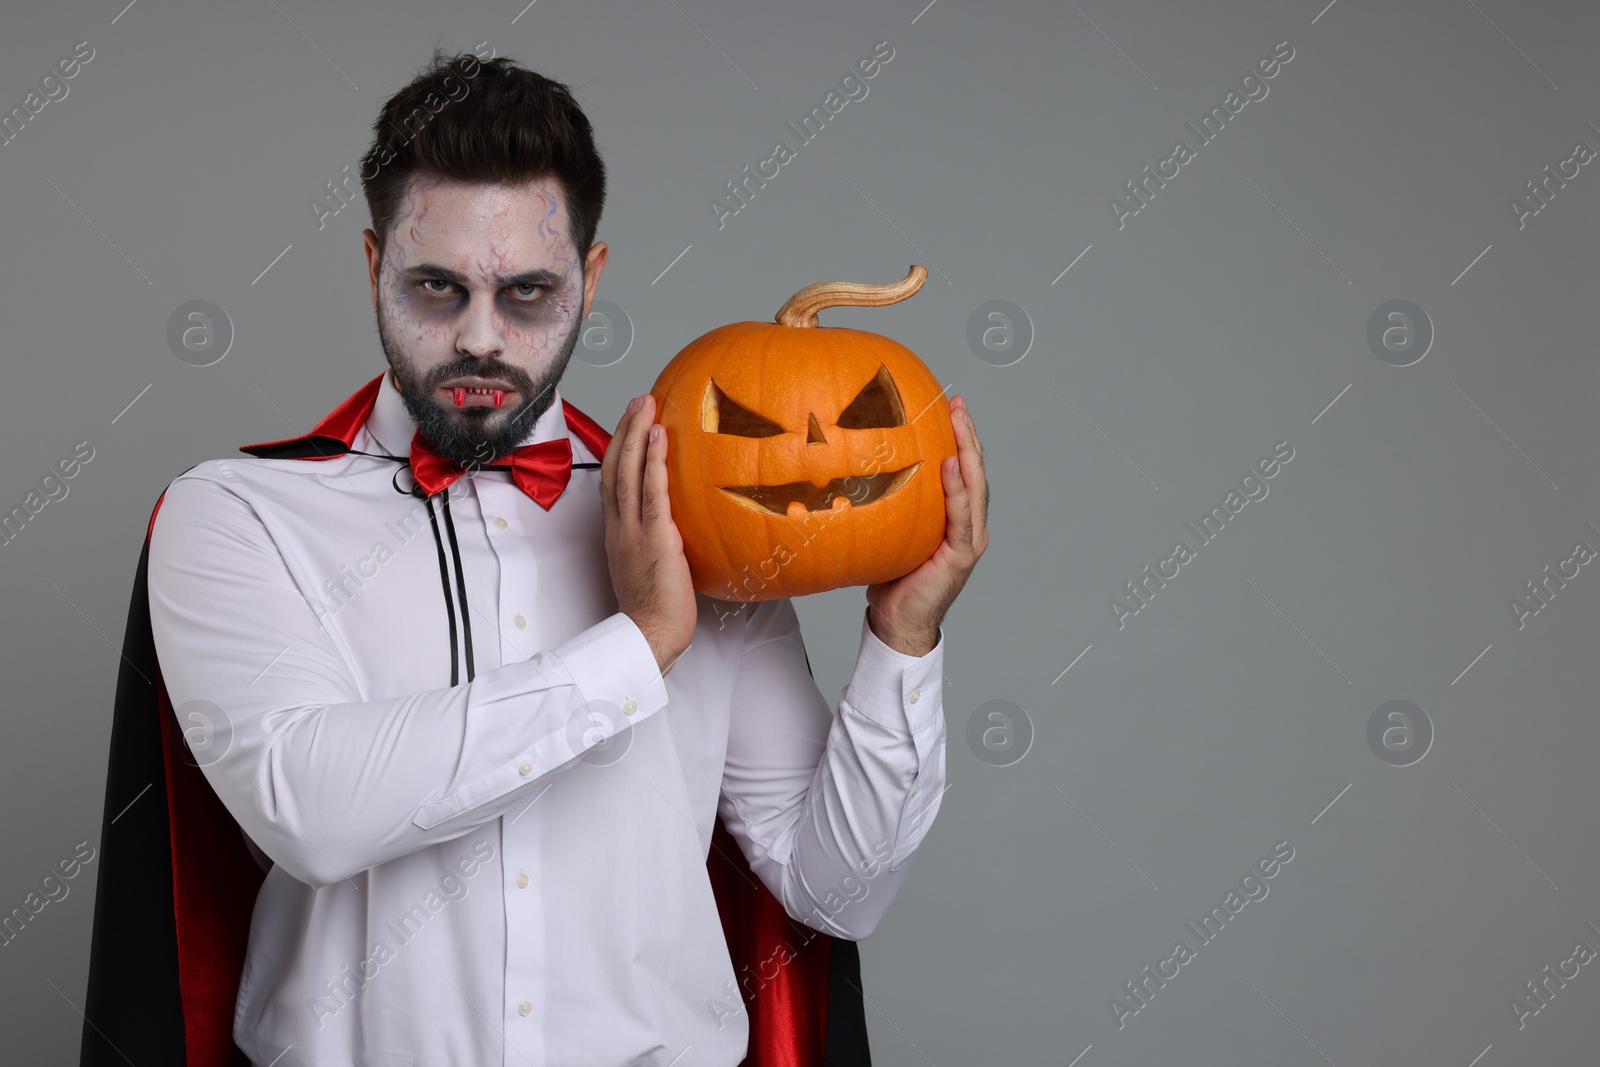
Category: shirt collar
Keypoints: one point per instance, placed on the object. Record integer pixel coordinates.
(392, 427)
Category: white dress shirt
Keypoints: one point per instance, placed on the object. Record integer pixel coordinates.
(509, 870)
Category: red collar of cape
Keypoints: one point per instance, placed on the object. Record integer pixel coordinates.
(177, 883)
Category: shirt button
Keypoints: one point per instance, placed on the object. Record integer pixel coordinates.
(522, 880)
(916, 788)
(630, 706)
(526, 768)
(500, 523)
(519, 622)
(914, 695)
(524, 1008)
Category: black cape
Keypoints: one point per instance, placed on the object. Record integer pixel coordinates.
(177, 884)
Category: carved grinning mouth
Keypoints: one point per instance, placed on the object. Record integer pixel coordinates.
(855, 490)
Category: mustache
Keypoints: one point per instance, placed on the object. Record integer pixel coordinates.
(474, 367)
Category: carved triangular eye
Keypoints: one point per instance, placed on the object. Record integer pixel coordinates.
(878, 404)
(720, 413)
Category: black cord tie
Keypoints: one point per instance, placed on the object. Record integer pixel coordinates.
(461, 582)
(444, 582)
(444, 568)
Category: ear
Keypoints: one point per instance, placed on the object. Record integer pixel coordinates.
(374, 261)
(593, 263)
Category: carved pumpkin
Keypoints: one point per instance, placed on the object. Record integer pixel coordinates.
(803, 457)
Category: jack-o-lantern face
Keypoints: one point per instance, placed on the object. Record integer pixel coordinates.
(802, 458)
(876, 406)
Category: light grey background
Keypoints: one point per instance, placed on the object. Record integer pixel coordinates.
(1225, 317)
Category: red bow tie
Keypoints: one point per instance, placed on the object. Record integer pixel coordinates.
(541, 470)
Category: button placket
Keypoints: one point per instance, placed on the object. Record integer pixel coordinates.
(518, 578)
(522, 1011)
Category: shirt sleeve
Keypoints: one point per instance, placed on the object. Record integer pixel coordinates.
(326, 782)
(828, 808)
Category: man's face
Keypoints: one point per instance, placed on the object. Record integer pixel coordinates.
(480, 295)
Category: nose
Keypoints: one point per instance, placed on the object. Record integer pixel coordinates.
(478, 334)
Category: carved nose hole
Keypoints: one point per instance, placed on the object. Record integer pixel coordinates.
(814, 432)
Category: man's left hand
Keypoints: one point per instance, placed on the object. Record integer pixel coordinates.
(905, 613)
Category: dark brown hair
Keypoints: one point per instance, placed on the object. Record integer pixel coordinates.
(473, 120)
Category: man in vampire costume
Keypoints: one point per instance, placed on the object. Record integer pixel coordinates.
(423, 756)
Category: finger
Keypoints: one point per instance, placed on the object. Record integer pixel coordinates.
(630, 464)
(969, 451)
(609, 463)
(608, 472)
(656, 506)
(965, 429)
(957, 507)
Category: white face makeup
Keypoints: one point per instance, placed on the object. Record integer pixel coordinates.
(480, 294)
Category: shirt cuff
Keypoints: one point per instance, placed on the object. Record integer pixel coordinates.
(615, 671)
(893, 689)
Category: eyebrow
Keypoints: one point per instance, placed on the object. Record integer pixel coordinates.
(542, 276)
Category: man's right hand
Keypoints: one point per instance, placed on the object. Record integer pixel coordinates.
(649, 571)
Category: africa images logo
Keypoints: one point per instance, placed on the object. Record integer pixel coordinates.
(1253, 86)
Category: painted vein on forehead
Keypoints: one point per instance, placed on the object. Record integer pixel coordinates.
(567, 255)
(549, 231)
(515, 223)
(414, 206)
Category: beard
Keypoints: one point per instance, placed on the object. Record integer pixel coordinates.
(473, 436)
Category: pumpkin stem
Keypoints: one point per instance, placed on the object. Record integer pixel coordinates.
(801, 308)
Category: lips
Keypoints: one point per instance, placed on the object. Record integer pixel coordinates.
(852, 491)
